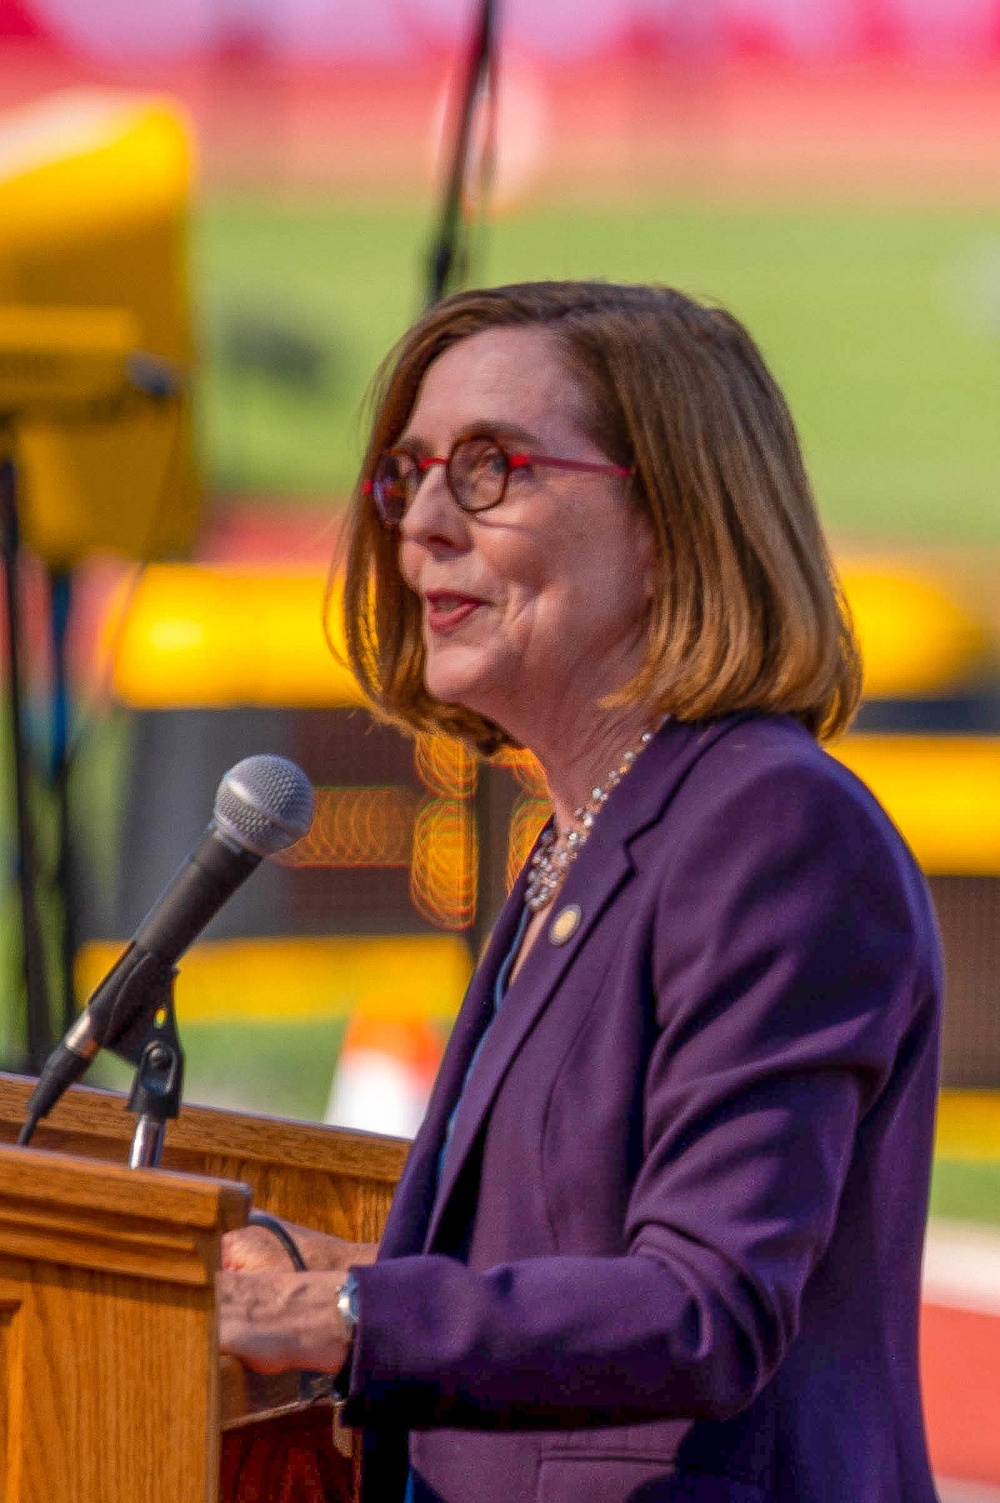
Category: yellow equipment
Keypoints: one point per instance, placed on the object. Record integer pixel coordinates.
(64, 363)
(95, 325)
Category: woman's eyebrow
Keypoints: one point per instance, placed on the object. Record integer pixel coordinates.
(482, 428)
(513, 432)
(412, 444)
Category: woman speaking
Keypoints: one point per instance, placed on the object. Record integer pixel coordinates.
(659, 1236)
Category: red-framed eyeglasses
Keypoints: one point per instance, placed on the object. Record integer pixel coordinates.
(476, 469)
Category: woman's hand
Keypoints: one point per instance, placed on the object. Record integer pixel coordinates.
(253, 1249)
(276, 1321)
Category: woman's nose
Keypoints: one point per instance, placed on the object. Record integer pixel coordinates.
(433, 511)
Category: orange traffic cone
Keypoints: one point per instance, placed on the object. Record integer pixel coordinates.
(384, 1074)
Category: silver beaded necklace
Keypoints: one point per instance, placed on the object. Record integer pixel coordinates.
(555, 854)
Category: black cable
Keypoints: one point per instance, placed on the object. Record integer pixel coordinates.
(284, 1236)
(313, 1386)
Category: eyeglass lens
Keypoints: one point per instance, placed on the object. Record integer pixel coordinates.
(476, 469)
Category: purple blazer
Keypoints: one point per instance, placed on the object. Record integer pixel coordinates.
(674, 1248)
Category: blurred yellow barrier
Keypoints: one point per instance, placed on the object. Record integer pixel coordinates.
(297, 980)
(918, 638)
(968, 1125)
(942, 791)
(194, 635)
(224, 635)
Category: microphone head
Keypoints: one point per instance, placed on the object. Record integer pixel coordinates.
(264, 804)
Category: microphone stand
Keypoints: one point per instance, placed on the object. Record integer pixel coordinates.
(155, 1097)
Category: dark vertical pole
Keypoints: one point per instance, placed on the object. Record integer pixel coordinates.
(448, 252)
(447, 265)
(39, 1025)
(60, 600)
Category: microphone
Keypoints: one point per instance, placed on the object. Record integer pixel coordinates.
(262, 805)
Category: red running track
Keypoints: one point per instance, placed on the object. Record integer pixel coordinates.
(960, 1352)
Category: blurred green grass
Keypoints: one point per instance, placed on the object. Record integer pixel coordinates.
(278, 1068)
(883, 325)
(966, 1190)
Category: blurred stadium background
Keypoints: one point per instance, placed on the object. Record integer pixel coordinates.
(254, 187)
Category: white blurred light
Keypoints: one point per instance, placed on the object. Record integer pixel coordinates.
(376, 1092)
(522, 131)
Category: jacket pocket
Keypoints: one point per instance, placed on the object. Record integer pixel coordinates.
(605, 1478)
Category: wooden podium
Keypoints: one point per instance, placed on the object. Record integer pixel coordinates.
(111, 1388)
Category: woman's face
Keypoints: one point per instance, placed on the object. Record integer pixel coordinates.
(535, 609)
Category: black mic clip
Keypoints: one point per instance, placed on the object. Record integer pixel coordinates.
(156, 1089)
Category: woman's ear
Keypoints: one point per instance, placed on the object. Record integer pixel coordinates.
(648, 563)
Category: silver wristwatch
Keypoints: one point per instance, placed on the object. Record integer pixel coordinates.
(347, 1304)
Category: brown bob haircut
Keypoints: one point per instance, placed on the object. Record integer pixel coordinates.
(749, 614)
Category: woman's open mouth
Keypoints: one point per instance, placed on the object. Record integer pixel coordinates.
(445, 612)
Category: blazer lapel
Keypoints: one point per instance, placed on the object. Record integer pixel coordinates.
(526, 999)
(592, 882)
(418, 1184)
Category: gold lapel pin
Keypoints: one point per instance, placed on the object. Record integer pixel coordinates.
(565, 924)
